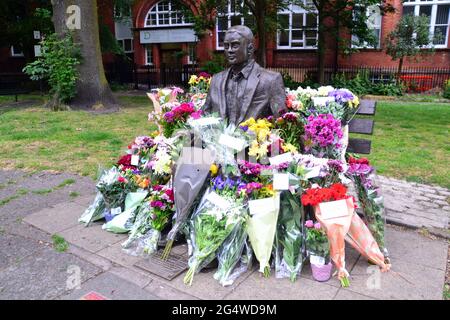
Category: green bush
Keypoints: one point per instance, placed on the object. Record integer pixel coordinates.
(58, 65)
(215, 65)
(291, 84)
(446, 93)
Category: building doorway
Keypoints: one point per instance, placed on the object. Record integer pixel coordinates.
(172, 54)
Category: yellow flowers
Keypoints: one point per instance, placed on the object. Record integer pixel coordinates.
(261, 128)
(287, 147)
(354, 103)
(213, 169)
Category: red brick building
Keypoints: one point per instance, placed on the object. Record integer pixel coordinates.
(159, 33)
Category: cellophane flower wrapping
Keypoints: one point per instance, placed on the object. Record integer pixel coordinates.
(289, 243)
(262, 228)
(114, 188)
(230, 255)
(191, 173)
(151, 219)
(96, 211)
(370, 199)
(123, 222)
(224, 141)
(212, 223)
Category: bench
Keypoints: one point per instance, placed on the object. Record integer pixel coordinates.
(362, 126)
(12, 86)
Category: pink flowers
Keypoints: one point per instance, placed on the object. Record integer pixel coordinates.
(311, 224)
(323, 130)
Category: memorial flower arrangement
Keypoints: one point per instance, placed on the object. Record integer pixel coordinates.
(232, 210)
(220, 211)
(370, 198)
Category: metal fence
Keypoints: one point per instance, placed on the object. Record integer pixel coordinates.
(416, 78)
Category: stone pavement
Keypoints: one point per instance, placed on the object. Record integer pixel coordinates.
(30, 268)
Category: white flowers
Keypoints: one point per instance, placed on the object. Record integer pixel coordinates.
(162, 162)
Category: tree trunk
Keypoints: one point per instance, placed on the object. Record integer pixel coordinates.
(260, 16)
(93, 91)
(321, 53)
(399, 70)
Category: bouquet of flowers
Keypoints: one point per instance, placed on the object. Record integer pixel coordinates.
(200, 83)
(151, 220)
(289, 237)
(369, 197)
(334, 210)
(96, 211)
(175, 118)
(319, 250)
(323, 136)
(114, 188)
(220, 211)
(290, 128)
(193, 168)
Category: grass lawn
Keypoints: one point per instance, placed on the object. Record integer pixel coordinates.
(410, 141)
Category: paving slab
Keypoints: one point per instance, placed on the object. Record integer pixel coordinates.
(112, 287)
(118, 255)
(140, 279)
(165, 291)
(350, 295)
(91, 238)
(44, 275)
(405, 281)
(204, 286)
(409, 246)
(257, 287)
(57, 218)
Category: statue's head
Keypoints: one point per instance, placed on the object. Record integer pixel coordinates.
(239, 45)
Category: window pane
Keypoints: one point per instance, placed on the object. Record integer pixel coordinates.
(236, 20)
(442, 14)
(311, 20)
(311, 42)
(297, 44)
(425, 10)
(221, 37)
(127, 45)
(297, 21)
(311, 34)
(249, 21)
(283, 19)
(163, 6)
(408, 10)
(222, 23)
(442, 32)
(297, 34)
(284, 38)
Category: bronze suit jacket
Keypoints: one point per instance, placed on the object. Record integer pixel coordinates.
(264, 95)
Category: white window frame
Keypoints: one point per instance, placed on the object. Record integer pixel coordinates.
(434, 6)
(378, 27)
(294, 9)
(16, 55)
(191, 54)
(122, 43)
(155, 10)
(148, 48)
(229, 15)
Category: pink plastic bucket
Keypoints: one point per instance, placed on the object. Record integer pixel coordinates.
(321, 272)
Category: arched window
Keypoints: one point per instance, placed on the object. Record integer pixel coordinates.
(299, 28)
(166, 13)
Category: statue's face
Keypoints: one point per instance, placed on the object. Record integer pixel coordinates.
(236, 48)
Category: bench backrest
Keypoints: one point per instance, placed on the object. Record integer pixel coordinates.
(362, 126)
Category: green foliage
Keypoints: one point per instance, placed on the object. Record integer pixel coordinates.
(291, 84)
(362, 85)
(108, 42)
(317, 242)
(18, 20)
(410, 36)
(215, 65)
(58, 65)
(446, 93)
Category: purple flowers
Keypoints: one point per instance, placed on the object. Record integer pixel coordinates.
(251, 169)
(323, 130)
(341, 95)
(336, 165)
(158, 204)
(169, 116)
(309, 224)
